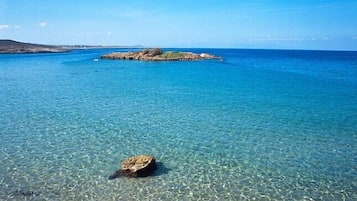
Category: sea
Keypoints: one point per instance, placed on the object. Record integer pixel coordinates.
(255, 125)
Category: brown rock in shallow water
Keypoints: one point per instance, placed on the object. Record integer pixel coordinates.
(138, 166)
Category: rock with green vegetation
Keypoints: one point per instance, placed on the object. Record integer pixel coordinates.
(157, 54)
(172, 55)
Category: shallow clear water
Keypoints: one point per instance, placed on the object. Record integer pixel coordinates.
(262, 124)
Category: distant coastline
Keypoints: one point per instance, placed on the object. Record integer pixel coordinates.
(16, 47)
(85, 47)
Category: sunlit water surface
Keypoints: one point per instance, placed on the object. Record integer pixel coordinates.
(261, 124)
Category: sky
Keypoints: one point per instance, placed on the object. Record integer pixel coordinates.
(264, 24)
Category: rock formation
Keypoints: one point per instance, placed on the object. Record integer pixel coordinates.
(157, 54)
(136, 166)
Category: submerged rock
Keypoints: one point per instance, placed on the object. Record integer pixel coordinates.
(136, 166)
(114, 175)
(21, 192)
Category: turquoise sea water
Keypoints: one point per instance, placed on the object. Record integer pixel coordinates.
(261, 124)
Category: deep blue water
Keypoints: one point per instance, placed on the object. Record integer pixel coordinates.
(261, 124)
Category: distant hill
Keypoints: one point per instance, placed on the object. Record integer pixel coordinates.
(10, 46)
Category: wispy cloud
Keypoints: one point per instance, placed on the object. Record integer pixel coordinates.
(42, 24)
(109, 33)
(4, 26)
(7, 26)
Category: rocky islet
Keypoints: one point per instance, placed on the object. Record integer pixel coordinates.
(157, 54)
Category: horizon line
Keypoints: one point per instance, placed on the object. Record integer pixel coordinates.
(137, 46)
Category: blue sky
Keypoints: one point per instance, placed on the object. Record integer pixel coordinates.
(279, 24)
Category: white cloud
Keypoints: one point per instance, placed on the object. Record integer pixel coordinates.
(42, 24)
(17, 26)
(109, 33)
(4, 26)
